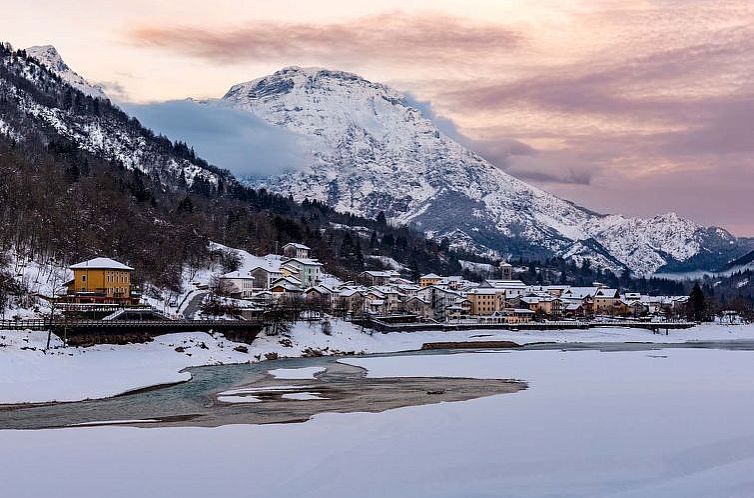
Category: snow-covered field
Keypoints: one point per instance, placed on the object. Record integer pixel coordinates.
(670, 423)
(73, 374)
(28, 374)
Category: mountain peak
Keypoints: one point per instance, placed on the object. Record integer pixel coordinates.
(46, 53)
(49, 56)
(308, 79)
(374, 152)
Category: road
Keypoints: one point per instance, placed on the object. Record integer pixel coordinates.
(192, 307)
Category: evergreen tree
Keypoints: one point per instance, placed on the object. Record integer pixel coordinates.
(697, 305)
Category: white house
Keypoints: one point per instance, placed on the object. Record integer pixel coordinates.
(242, 284)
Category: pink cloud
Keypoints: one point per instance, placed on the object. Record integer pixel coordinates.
(394, 37)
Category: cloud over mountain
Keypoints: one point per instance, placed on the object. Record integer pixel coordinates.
(238, 141)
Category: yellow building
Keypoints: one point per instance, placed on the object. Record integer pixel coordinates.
(429, 279)
(486, 301)
(101, 280)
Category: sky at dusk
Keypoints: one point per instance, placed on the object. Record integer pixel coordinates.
(631, 106)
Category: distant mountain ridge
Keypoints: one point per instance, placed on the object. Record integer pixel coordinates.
(374, 152)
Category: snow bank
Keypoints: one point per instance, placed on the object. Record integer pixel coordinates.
(27, 374)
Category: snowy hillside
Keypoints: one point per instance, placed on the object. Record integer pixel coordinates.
(374, 152)
(42, 101)
(49, 56)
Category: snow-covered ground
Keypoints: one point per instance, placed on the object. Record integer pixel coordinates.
(28, 374)
(670, 423)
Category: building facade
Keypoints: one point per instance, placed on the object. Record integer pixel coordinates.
(101, 280)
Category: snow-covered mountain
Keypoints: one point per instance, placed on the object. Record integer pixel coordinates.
(44, 100)
(372, 151)
(49, 56)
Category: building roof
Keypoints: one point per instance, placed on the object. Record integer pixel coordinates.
(287, 287)
(381, 273)
(385, 289)
(431, 275)
(297, 246)
(350, 292)
(532, 299)
(485, 291)
(321, 289)
(239, 275)
(439, 289)
(288, 280)
(505, 284)
(268, 266)
(303, 261)
(581, 292)
(605, 292)
(100, 264)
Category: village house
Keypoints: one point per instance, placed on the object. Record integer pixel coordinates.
(556, 290)
(454, 282)
(438, 298)
(269, 271)
(102, 281)
(286, 287)
(417, 306)
(544, 305)
(636, 308)
(574, 309)
(607, 301)
(240, 284)
(393, 298)
(485, 301)
(350, 300)
(512, 288)
(309, 270)
(378, 277)
(409, 290)
(294, 250)
(460, 309)
(429, 279)
(580, 293)
(319, 294)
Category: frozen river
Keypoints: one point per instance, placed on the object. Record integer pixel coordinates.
(627, 421)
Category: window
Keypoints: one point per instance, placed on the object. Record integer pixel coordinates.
(83, 278)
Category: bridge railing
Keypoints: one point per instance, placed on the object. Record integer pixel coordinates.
(115, 324)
